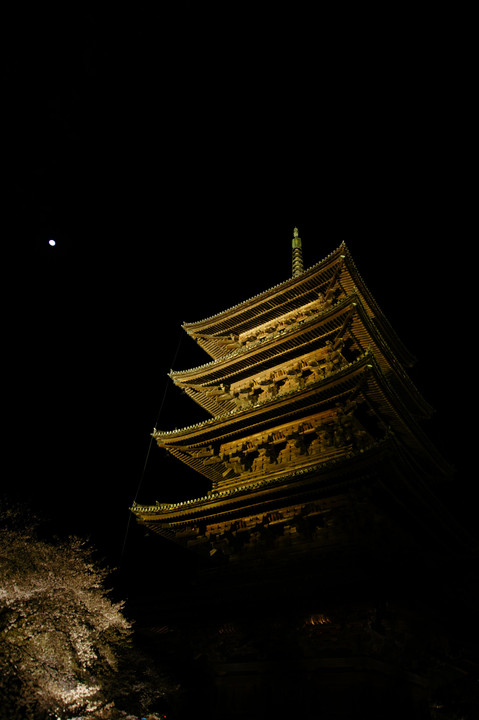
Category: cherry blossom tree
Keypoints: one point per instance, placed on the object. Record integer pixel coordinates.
(60, 632)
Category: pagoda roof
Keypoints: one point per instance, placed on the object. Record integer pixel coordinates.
(229, 500)
(267, 349)
(213, 333)
(336, 389)
(325, 479)
(245, 418)
(302, 337)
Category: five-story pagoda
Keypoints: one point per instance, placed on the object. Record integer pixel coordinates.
(322, 535)
(310, 401)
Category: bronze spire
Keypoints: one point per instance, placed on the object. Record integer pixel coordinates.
(297, 254)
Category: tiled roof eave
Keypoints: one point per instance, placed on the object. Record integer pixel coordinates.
(285, 285)
(231, 494)
(423, 408)
(264, 297)
(281, 335)
(353, 367)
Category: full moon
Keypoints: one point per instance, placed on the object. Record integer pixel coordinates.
(52, 242)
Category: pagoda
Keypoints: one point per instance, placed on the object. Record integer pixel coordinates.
(308, 395)
(323, 512)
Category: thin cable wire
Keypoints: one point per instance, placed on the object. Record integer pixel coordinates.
(145, 464)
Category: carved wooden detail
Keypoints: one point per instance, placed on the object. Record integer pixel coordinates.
(288, 377)
(318, 438)
(287, 321)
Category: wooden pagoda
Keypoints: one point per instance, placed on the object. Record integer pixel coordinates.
(308, 395)
(323, 506)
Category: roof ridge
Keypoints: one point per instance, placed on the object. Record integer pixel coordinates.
(265, 292)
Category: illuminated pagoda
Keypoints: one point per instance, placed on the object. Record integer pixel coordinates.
(323, 509)
(308, 396)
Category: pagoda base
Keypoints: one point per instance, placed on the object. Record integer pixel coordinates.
(377, 636)
(335, 688)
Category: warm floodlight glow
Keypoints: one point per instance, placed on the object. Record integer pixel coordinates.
(52, 242)
(318, 619)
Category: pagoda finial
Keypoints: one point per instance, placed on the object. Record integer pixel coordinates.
(297, 254)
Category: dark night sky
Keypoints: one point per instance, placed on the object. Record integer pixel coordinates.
(170, 154)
